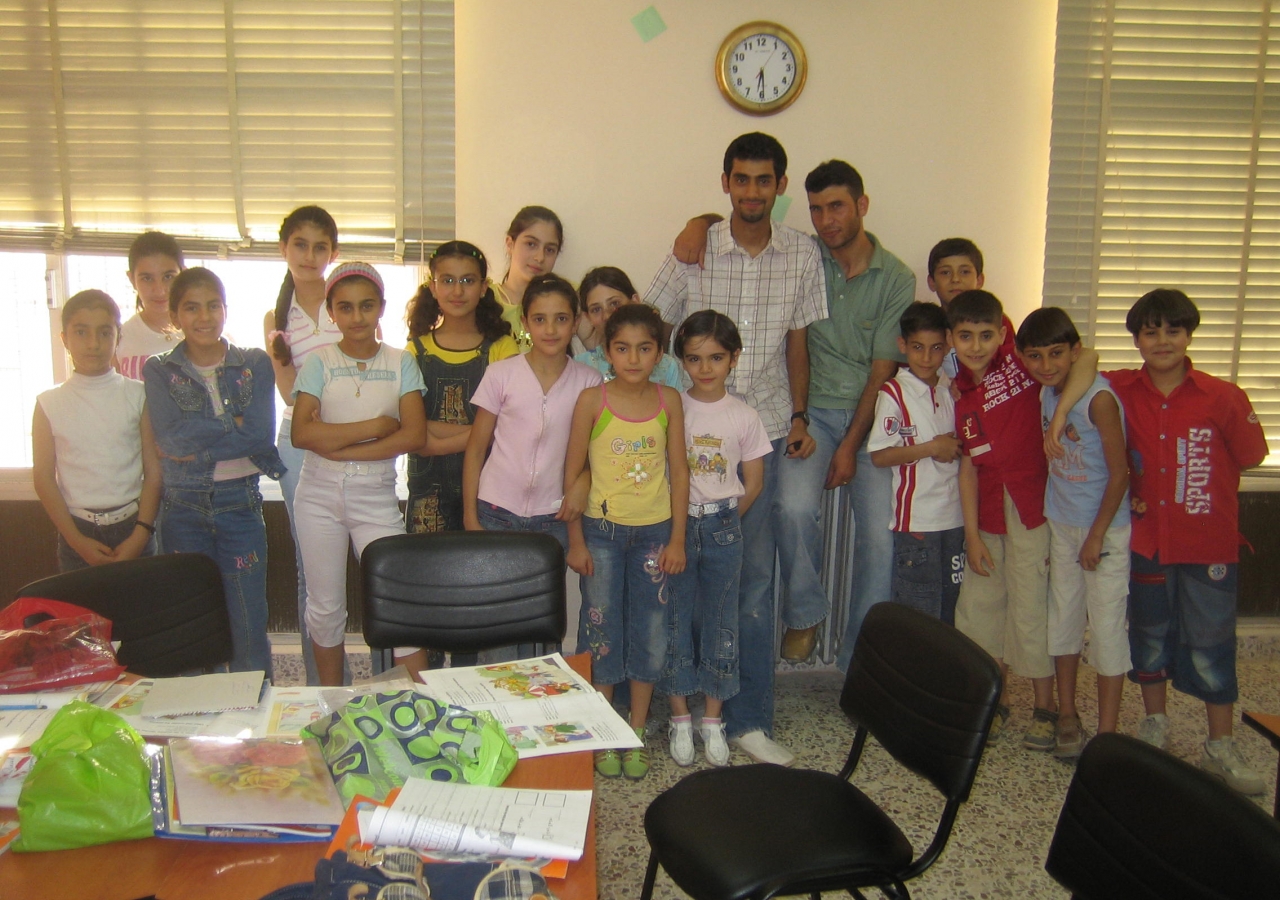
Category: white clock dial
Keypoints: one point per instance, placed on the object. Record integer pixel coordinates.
(761, 68)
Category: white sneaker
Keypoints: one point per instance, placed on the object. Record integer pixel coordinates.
(681, 738)
(714, 745)
(763, 749)
(1222, 759)
(1154, 730)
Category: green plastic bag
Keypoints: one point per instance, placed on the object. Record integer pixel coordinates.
(90, 783)
(377, 741)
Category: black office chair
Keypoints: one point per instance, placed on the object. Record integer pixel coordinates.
(924, 691)
(168, 612)
(1140, 824)
(463, 591)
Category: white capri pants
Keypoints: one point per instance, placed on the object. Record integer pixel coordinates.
(1101, 595)
(336, 503)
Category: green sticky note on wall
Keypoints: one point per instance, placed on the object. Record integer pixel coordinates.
(780, 207)
(648, 24)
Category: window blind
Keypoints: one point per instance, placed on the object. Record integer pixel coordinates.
(211, 119)
(1165, 172)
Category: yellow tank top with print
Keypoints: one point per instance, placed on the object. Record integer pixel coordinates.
(629, 467)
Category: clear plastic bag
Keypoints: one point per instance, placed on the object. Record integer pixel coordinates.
(48, 644)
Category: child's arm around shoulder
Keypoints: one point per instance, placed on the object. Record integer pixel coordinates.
(1104, 412)
(672, 558)
(1083, 372)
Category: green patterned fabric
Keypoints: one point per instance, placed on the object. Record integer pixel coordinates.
(375, 742)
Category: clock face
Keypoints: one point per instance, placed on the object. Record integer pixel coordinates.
(761, 68)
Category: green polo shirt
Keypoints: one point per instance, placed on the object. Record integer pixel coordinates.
(862, 325)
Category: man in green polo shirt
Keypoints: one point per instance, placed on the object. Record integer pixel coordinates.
(851, 354)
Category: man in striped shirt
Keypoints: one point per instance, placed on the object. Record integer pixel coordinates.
(768, 279)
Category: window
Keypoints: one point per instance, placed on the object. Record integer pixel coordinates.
(1165, 171)
(211, 119)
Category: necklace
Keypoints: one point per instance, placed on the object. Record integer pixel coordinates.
(363, 367)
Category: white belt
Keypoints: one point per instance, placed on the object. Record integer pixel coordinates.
(109, 517)
(698, 510)
(356, 468)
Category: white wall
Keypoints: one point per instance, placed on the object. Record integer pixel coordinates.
(943, 107)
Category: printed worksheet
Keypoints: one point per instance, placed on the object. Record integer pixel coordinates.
(433, 815)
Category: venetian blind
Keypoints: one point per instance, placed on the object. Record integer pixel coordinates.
(211, 119)
(1165, 171)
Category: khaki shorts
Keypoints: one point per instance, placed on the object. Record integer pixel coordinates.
(1100, 596)
(1006, 613)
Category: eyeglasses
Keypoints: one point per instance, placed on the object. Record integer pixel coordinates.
(449, 281)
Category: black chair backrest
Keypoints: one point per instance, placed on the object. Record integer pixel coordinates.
(168, 612)
(925, 691)
(463, 591)
(1139, 823)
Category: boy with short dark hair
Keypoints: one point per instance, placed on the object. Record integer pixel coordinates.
(955, 266)
(1190, 436)
(1003, 601)
(914, 433)
(1088, 511)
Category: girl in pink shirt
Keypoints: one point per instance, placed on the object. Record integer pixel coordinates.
(524, 407)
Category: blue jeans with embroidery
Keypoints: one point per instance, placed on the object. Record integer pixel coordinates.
(704, 615)
(625, 602)
(226, 525)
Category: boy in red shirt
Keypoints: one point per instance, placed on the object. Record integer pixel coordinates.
(1189, 436)
(1004, 603)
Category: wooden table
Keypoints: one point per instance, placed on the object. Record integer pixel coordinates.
(1268, 726)
(203, 870)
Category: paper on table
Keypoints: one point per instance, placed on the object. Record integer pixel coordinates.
(22, 727)
(54, 699)
(130, 700)
(203, 694)
(291, 710)
(544, 705)
(433, 815)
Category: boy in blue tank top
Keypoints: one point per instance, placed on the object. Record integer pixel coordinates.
(1087, 505)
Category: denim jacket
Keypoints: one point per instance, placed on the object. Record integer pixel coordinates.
(185, 424)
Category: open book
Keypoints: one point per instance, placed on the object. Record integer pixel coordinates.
(543, 704)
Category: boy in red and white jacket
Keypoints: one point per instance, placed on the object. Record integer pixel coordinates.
(914, 433)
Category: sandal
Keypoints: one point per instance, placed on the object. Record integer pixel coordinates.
(635, 762)
(608, 763)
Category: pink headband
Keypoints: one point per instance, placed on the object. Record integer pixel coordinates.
(351, 270)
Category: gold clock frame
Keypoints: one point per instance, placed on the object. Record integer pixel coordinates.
(773, 106)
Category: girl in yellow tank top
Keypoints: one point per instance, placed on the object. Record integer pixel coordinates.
(631, 537)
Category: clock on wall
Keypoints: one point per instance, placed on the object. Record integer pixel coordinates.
(761, 68)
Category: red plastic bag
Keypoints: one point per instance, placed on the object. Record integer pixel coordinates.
(48, 644)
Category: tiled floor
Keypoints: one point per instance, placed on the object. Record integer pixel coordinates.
(998, 846)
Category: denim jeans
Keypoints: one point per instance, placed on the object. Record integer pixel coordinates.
(626, 602)
(704, 615)
(800, 538)
(495, 518)
(751, 709)
(111, 535)
(226, 525)
(1182, 627)
(928, 569)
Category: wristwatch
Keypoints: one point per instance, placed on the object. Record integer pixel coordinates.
(803, 415)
